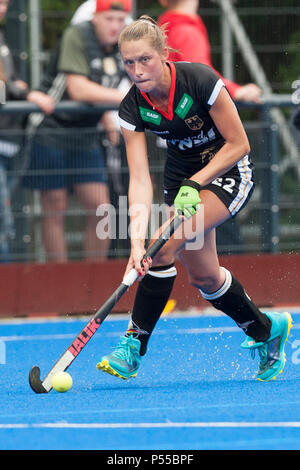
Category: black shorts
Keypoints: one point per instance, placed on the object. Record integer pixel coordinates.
(234, 188)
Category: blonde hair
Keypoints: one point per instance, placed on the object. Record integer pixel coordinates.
(147, 28)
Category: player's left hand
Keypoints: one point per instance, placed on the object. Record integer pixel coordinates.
(187, 201)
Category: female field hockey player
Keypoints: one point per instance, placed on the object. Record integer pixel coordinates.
(207, 167)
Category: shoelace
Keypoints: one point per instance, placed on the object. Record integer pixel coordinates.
(123, 351)
(262, 352)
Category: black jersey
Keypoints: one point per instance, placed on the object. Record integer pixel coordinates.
(191, 135)
(187, 127)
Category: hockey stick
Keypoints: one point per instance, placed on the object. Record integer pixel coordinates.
(44, 386)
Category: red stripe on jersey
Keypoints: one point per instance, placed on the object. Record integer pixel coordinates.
(169, 114)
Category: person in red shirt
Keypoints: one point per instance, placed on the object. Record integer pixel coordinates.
(187, 35)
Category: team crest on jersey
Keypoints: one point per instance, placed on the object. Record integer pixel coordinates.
(195, 123)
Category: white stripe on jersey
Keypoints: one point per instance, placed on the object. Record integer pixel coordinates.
(244, 187)
(126, 125)
(215, 92)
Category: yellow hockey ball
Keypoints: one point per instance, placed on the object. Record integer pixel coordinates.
(62, 381)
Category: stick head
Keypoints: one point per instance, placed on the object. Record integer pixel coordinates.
(35, 381)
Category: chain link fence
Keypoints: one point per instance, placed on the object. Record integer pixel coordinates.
(274, 31)
(269, 223)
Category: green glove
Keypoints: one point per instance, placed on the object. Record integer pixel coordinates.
(187, 201)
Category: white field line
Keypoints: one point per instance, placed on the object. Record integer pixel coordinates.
(191, 313)
(180, 331)
(191, 331)
(64, 425)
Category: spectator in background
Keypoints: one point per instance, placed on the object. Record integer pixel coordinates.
(90, 69)
(84, 12)
(188, 36)
(110, 120)
(11, 128)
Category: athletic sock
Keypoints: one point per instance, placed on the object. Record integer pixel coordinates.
(232, 299)
(151, 297)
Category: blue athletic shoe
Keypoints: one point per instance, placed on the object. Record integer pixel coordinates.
(124, 361)
(271, 352)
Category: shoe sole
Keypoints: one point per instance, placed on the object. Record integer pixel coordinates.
(290, 325)
(105, 367)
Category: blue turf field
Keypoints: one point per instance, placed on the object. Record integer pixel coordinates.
(195, 390)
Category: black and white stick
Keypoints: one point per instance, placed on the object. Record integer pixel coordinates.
(44, 386)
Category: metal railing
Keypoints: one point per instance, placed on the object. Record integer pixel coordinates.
(269, 223)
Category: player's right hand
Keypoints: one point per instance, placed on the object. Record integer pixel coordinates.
(138, 261)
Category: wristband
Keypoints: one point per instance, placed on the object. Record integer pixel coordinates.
(192, 184)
